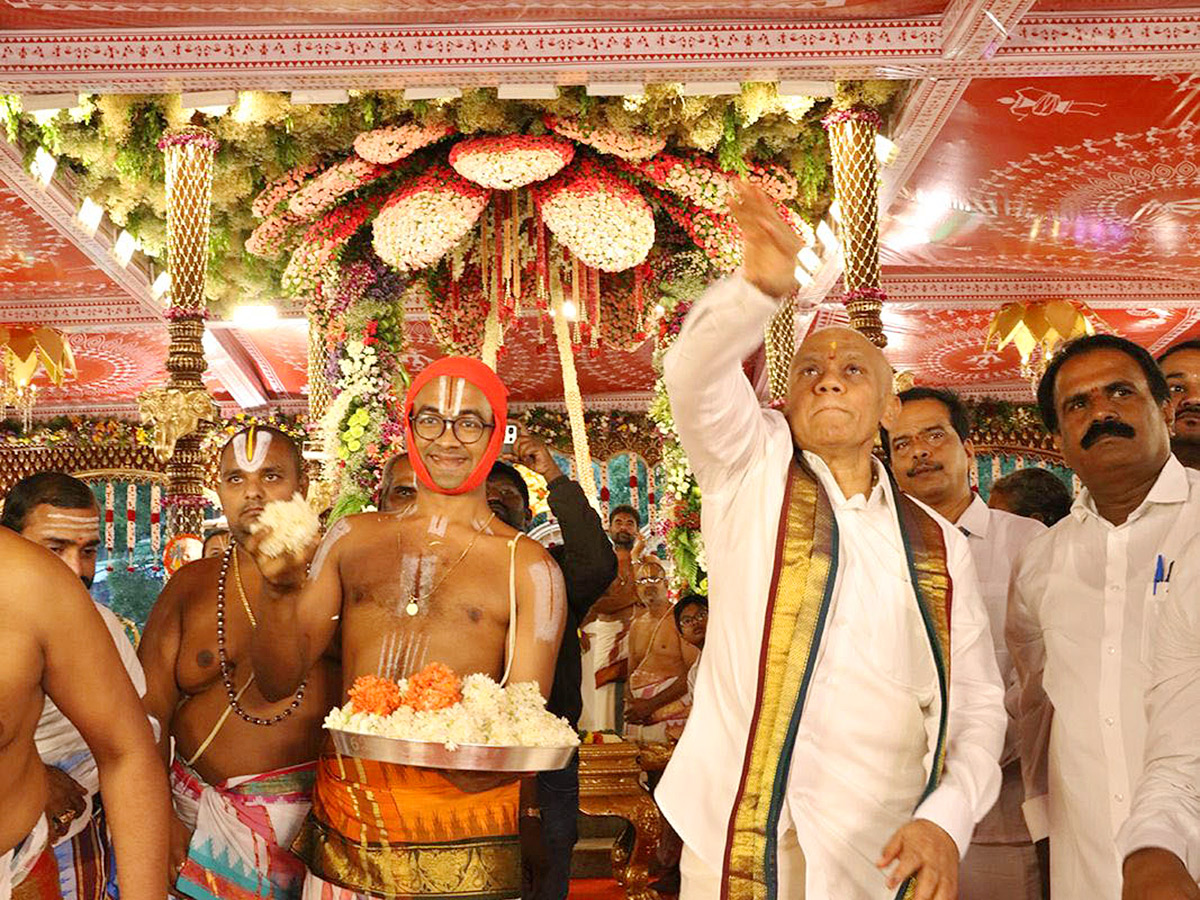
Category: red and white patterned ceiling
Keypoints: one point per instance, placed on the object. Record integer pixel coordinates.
(1047, 149)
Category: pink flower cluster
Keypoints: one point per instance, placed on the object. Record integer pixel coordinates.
(205, 141)
(716, 234)
(322, 243)
(697, 180)
(281, 189)
(423, 220)
(506, 162)
(336, 181)
(774, 179)
(271, 236)
(628, 145)
(599, 217)
(395, 142)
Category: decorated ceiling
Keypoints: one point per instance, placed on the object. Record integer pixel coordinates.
(1045, 150)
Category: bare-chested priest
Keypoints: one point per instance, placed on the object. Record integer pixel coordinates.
(442, 580)
(62, 650)
(659, 661)
(244, 765)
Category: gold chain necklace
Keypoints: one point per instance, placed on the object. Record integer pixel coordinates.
(237, 577)
(413, 607)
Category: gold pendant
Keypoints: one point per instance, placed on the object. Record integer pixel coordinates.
(412, 609)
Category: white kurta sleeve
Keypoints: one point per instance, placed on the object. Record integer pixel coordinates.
(717, 414)
(1166, 805)
(1026, 646)
(970, 781)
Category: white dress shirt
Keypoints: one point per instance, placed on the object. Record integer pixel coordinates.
(1166, 804)
(1080, 599)
(869, 728)
(60, 744)
(996, 538)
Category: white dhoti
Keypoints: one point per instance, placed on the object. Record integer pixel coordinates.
(601, 663)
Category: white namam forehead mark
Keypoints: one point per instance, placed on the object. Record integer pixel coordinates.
(74, 525)
(437, 525)
(450, 395)
(339, 530)
(551, 599)
(251, 459)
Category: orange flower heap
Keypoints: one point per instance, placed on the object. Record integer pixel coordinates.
(372, 694)
(434, 687)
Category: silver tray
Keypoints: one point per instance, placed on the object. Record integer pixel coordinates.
(472, 757)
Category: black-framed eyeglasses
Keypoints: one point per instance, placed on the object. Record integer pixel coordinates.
(430, 426)
(694, 619)
(656, 579)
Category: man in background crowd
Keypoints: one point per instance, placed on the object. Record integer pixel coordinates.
(60, 513)
(691, 618)
(606, 630)
(1033, 493)
(656, 703)
(216, 543)
(1181, 366)
(932, 456)
(1083, 601)
(588, 566)
(397, 484)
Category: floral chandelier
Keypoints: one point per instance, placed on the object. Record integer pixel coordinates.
(25, 349)
(1037, 328)
(560, 230)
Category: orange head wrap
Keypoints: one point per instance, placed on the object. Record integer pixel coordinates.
(480, 375)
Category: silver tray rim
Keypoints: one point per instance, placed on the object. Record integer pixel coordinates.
(466, 757)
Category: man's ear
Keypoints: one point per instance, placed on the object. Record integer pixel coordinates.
(891, 412)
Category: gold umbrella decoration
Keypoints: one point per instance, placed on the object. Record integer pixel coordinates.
(1036, 328)
(25, 349)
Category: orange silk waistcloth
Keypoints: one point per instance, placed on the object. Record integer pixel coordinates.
(401, 831)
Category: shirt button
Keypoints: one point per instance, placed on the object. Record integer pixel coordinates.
(1114, 588)
(1108, 721)
(1112, 649)
(1120, 798)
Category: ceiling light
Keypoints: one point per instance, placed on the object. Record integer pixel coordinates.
(616, 89)
(809, 260)
(211, 103)
(527, 92)
(89, 215)
(805, 89)
(43, 166)
(826, 236)
(711, 88)
(124, 247)
(886, 150)
(569, 310)
(302, 98)
(254, 315)
(432, 92)
(161, 285)
(44, 107)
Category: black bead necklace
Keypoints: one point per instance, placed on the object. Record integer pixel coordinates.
(226, 674)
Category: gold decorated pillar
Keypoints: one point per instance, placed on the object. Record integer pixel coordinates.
(319, 394)
(856, 184)
(178, 410)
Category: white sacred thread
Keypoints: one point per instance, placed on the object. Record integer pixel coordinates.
(261, 445)
(340, 529)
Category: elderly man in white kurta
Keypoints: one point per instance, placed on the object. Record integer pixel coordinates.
(1083, 602)
(846, 727)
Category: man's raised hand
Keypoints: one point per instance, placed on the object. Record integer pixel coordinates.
(284, 573)
(769, 244)
(923, 849)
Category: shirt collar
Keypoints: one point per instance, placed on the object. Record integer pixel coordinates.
(976, 518)
(880, 493)
(1171, 486)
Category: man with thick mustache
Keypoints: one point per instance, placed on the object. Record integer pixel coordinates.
(1083, 603)
(931, 455)
(845, 730)
(1181, 366)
